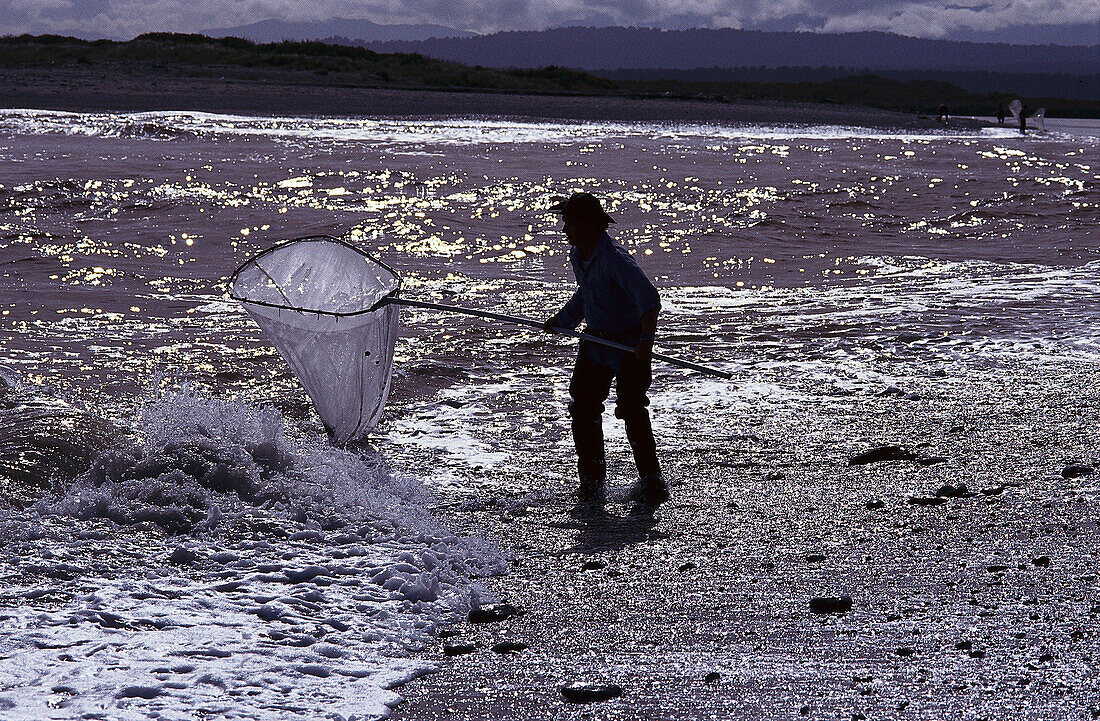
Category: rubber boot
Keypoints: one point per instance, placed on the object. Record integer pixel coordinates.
(639, 432)
(651, 489)
(591, 466)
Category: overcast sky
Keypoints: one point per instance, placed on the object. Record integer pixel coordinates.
(958, 19)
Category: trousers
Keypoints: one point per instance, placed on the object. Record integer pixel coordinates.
(589, 387)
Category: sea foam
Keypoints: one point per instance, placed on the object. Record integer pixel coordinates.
(212, 565)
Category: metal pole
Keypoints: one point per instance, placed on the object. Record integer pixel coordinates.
(560, 331)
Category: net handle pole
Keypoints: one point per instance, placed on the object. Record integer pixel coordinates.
(560, 331)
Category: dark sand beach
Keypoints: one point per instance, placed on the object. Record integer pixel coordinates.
(976, 602)
(232, 90)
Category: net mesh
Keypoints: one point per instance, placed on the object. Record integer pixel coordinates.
(320, 301)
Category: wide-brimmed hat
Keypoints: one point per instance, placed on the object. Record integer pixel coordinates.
(583, 205)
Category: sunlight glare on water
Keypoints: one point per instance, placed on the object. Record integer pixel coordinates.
(152, 210)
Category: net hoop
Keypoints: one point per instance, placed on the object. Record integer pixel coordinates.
(329, 309)
(306, 238)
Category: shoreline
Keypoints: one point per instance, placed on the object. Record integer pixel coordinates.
(88, 89)
(969, 341)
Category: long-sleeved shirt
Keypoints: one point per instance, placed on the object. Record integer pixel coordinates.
(614, 292)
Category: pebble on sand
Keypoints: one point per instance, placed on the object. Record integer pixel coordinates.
(712, 677)
(459, 648)
(509, 647)
(1076, 471)
(927, 501)
(957, 491)
(588, 692)
(493, 613)
(831, 604)
(882, 453)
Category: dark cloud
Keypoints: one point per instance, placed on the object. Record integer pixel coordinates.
(796, 22)
(922, 18)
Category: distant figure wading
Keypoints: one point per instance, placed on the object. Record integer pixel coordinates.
(617, 302)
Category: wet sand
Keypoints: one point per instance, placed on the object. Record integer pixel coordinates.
(130, 89)
(982, 606)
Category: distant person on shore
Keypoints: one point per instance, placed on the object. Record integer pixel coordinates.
(1023, 118)
(1000, 113)
(618, 302)
(942, 117)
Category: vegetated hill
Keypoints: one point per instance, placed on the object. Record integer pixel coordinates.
(213, 61)
(310, 62)
(348, 30)
(613, 48)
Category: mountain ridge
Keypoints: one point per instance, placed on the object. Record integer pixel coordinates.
(601, 49)
(348, 30)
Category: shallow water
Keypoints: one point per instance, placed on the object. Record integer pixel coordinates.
(814, 263)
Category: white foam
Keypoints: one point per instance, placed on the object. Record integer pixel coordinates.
(315, 611)
(446, 132)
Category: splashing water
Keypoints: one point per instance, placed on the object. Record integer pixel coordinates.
(210, 565)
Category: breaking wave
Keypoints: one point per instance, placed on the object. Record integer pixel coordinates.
(175, 125)
(209, 556)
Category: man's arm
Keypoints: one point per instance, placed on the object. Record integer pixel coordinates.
(570, 316)
(636, 284)
(648, 327)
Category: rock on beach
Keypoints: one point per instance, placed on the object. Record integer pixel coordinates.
(493, 613)
(459, 648)
(588, 692)
(880, 454)
(831, 604)
(1076, 470)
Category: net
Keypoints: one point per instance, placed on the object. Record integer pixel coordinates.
(323, 304)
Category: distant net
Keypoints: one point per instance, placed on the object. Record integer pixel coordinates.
(1038, 119)
(322, 303)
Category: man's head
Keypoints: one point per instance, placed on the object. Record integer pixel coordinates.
(584, 218)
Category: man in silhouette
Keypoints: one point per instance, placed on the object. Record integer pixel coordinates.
(1023, 118)
(1000, 113)
(618, 302)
